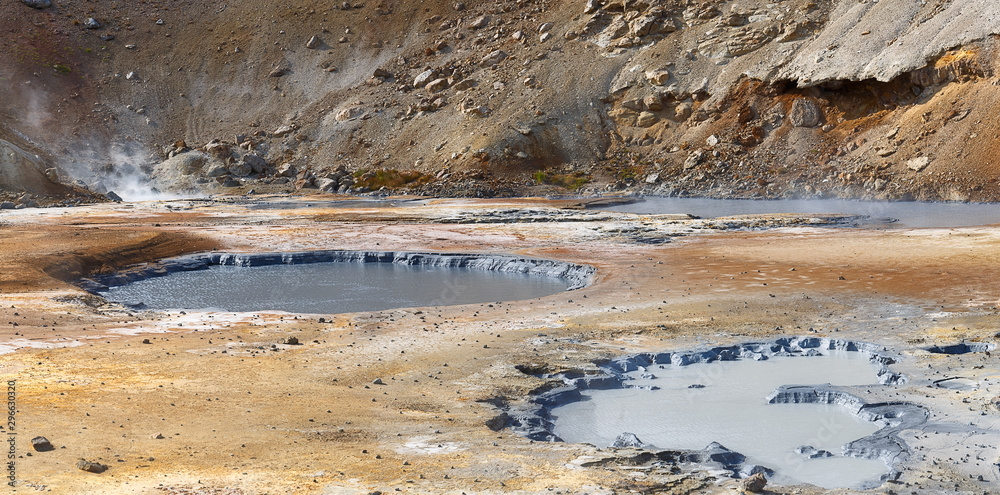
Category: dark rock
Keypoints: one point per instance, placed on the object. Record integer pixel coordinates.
(7, 205)
(498, 422)
(291, 341)
(812, 452)
(90, 467)
(37, 4)
(41, 444)
(628, 440)
(114, 197)
(279, 71)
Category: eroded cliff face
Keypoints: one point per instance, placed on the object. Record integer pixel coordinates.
(888, 99)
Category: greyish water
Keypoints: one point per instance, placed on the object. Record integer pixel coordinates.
(907, 214)
(731, 409)
(327, 288)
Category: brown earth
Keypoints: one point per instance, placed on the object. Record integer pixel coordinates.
(239, 412)
(558, 116)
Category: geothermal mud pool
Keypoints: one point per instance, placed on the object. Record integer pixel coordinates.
(338, 282)
(691, 406)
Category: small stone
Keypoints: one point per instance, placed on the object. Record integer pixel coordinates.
(918, 164)
(646, 119)
(423, 78)
(278, 72)
(146, 341)
(378, 381)
(285, 170)
(90, 467)
(290, 341)
(459, 6)
(37, 4)
(546, 26)
(480, 22)
(754, 484)
(156, 436)
(41, 444)
(313, 43)
(653, 103)
(658, 77)
(712, 140)
(437, 85)
(348, 114)
(284, 130)
(545, 37)
(91, 23)
(494, 58)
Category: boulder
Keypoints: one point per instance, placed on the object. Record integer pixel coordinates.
(217, 169)
(805, 113)
(683, 111)
(240, 169)
(326, 184)
(256, 162)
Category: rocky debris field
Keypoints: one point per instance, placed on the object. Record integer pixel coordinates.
(818, 98)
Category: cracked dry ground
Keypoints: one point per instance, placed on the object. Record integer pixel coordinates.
(240, 413)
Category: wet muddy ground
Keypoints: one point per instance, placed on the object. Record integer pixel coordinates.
(176, 402)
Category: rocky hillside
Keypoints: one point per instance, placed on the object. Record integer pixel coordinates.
(799, 98)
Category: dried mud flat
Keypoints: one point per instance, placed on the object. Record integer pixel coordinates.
(404, 400)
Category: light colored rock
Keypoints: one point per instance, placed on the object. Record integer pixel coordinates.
(918, 164)
(256, 162)
(646, 119)
(437, 85)
(642, 25)
(286, 170)
(545, 37)
(216, 169)
(658, 77)
(712, 140)
(480, 22)
(546, 26)
(349, 113)
(494, 58)
(284, 130)
(423, 78)
(754, 484)
(313, 43)
(633, 104)
(240, 169)
(652, 178)
(683, 111)
(805, 113)
(653, 103)
(464, 84)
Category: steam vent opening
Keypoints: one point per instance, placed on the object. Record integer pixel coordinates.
(337, 281)
(792, 410)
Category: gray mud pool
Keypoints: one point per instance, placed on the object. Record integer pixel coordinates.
(356, 282)
(726, 402)
(900, 214)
